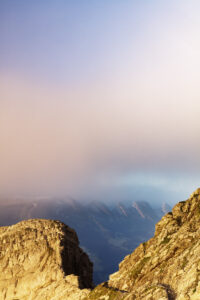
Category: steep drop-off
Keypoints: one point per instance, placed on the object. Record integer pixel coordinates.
(41, 260)
(107, 232)
(165, 267)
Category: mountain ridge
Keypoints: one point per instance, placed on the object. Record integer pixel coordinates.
(165, 267)
(107, 232)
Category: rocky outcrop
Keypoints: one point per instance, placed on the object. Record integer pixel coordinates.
(119, 227)
(165, 267)
(41, 259)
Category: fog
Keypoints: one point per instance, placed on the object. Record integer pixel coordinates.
(113, 116)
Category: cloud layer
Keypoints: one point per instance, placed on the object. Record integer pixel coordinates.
(103, 107)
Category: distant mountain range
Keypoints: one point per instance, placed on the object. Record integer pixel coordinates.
(106, 232)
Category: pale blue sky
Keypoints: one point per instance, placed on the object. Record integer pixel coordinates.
(100, 97)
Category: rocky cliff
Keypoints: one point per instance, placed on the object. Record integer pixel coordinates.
(165, 267)
(41, 259)
(107, 232)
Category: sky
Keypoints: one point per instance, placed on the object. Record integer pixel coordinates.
(100, 99)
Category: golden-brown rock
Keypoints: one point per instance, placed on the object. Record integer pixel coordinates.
(165, 267)
(41, 260)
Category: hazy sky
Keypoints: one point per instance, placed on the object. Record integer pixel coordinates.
(100, 99)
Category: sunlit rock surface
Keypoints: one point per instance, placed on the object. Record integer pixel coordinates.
(107, 232)
(165, 267)
(41, 259)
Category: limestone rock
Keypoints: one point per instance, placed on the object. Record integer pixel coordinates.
(165, 267)
(41, 260)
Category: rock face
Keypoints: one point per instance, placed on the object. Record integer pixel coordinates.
(165, 267)
(41, 259)
(107, 232)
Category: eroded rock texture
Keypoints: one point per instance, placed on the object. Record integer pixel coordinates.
(41, 259)
(165, 267)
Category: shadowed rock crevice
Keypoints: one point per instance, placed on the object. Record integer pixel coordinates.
(74, 259)
(170, 293)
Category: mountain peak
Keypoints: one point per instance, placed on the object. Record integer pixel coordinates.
(195, 193)
(41, 259)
